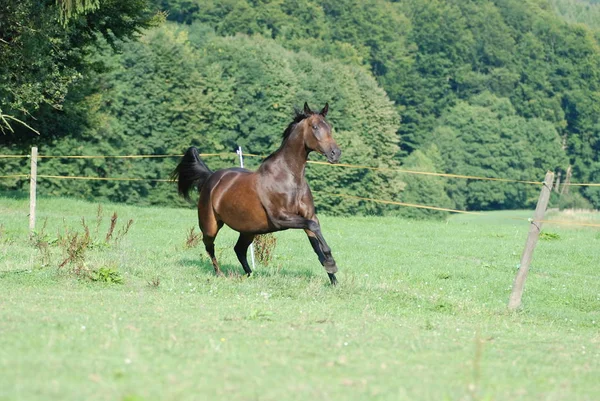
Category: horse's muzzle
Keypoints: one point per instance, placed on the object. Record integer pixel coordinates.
(334, 154)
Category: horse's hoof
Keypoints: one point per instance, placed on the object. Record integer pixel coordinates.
(332, 279)
(330, 267)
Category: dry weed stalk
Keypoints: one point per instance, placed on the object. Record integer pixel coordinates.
(99, 218)
(76, 251)
(265, 247)
(155, 282)
(111, 228)
(193, 239)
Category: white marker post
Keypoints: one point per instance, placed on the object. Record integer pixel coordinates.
(240, 154)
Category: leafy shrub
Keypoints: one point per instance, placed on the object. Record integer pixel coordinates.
(107, 275)
(548, 236)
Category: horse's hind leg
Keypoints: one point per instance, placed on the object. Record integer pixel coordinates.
(210, 227)
(209, 244)
(241, 250)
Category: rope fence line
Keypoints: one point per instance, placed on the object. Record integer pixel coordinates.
(469, 177)
(107, 157)
(382, 201)
(130, 156)
(403, 171)
(346, 165)
(71, 177)
(568, 223)
(571, 184)
(110, 156)
(388, 202)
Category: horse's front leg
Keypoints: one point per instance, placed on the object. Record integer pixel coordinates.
(324, 253)
(313, 230)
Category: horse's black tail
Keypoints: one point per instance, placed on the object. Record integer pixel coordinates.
(191, 171)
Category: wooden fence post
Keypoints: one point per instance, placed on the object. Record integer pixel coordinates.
(534, 233)
(32, 189)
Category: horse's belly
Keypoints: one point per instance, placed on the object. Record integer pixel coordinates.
(244, 215)
(238, 206)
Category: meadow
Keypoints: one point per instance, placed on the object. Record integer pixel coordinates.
(419, 312)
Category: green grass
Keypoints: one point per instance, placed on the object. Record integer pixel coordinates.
(420, 313)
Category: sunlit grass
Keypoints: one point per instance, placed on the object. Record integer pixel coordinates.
(420, 313)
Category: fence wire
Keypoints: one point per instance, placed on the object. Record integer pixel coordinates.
(74, 177)
(342, 165)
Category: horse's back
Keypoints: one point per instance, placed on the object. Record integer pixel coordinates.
(231, 195)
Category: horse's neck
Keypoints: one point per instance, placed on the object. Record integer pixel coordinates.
(290, 158)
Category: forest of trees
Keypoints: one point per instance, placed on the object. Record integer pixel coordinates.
(581, 11)
(497, 88)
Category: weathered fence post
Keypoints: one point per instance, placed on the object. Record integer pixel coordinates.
(240, 154)
(534, 233)
(32, 189)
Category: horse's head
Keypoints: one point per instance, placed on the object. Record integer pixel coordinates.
(317, 134)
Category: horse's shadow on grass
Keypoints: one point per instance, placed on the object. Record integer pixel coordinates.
(230, 270)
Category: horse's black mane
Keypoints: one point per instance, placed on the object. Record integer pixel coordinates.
(299, 115)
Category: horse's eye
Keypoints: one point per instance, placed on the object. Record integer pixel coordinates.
(314, 127)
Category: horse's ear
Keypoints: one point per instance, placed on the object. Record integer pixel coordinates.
(307, 109)
(325, 110)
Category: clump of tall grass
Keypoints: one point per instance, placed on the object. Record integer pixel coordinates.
(75, 244)
(265, 248)
(193, 238)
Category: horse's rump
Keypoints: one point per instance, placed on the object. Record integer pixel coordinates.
(231, 194)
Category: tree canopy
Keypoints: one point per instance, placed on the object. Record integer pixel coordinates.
(44, 44)
(503, 89)
(178, 87)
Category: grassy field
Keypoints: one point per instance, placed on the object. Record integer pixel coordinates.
(420, 312)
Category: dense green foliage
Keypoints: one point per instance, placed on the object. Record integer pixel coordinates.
(582, 11)
(486, 138)
(431, 55)
(495, 88)
(173, 89)
(43, 48)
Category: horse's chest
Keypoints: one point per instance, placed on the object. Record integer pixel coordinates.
(285, 194)
(290, 198)
(299, 202)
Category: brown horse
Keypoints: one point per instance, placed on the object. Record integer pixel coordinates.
(274, 198)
